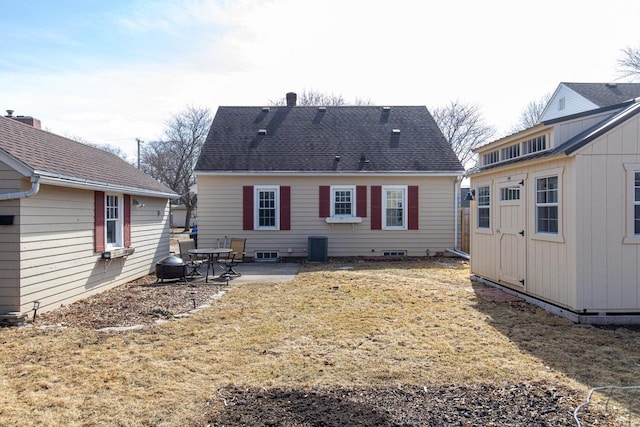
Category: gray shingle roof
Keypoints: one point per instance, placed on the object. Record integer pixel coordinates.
(308, 139)
(46, 152)
(606, 94)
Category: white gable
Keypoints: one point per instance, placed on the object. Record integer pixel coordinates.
(565, 102)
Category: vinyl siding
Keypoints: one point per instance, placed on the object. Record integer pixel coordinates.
(220, 215)
(10, 181)
(58, 263)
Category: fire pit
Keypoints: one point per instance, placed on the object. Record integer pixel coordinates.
(171, 267)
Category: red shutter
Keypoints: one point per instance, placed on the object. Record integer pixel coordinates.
(127, 220)
(324, 202)
(98, 221)
(285, 208)
(376, 207)
(413, 208)
(247, 207)
(361, 200)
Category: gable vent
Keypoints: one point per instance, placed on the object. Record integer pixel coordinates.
(262, 131)
(395, 131)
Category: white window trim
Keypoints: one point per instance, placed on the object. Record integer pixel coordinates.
(630, 237)
(550, 237)
(485, 230)
(343, 219)
(119, 222)
(405, 206)
(256, 206)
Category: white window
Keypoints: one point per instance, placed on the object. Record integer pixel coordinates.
(490, 158)
(394, 202)
(113, 221)
(632, 232)
(267, 207)
(343, 201)
(547, 217)
(484, 207)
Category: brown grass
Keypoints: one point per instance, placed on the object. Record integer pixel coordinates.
(372, 324)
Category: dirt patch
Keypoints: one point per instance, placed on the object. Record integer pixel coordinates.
(521, 404)
(140, 302)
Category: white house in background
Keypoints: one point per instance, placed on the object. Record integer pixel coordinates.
(358, 180)
(556, 212)
(74, 220)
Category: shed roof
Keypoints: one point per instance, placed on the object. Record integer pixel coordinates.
(402, 139)
(54, 156)
(606, 94)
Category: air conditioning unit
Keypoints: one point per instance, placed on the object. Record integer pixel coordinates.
(318, 248)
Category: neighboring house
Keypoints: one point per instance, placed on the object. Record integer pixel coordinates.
(179, 216)
(373, 181)
(574, 98)
(556, 215)
(64, 208)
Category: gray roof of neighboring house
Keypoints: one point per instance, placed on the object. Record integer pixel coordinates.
(309, 139)
(58, 157)
(606, 94)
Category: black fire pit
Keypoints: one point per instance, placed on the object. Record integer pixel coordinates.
(171, 267)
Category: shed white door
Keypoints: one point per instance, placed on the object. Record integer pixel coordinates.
(511, 233)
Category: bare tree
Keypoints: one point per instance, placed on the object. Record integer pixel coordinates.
(463, 127)
(173, 159)
(531, 114)
(629, 64)
(312, 98)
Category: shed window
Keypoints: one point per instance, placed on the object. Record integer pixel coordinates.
(547, 205)
(484, 207)
(490, 158)
(636, 203)
(510, 152)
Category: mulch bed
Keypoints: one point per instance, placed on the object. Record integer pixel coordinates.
(538, 404)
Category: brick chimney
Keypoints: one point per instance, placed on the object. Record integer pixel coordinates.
(27, 120)
(292, 98)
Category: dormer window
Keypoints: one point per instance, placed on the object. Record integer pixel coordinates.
(534, 145)
(510, 152)
(490, 158)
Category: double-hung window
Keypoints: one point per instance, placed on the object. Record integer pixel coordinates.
(267, 216)
(547, 205)
(113, 221)
(394, 203)
(343, 201)
(484, 207)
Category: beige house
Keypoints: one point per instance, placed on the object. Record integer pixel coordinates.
(556, 212)
(335, 181)
(74, 220)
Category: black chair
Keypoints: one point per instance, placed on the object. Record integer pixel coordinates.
(236, 257)
(193, 262)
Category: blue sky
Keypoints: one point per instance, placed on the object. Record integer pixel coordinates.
(113, 71)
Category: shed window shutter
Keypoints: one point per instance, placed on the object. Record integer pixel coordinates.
(98, 221)
(376, 207)
(247, 207)
(361, 201)
(127, 220)
(413, 203)
(324, 202)
(285, 208)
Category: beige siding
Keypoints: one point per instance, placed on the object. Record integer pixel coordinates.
(58, 262)
(549, 263)
(220, 215)
(10, 181)
(607, 268)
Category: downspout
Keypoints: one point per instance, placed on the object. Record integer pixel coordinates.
(35, 187)
(456, 214)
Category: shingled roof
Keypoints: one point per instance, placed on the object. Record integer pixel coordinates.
(53, 156)
(606, 94)
(329, 139)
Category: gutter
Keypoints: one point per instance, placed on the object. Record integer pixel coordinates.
(35, 187)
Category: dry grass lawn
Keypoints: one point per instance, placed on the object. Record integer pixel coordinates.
(418, 323)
